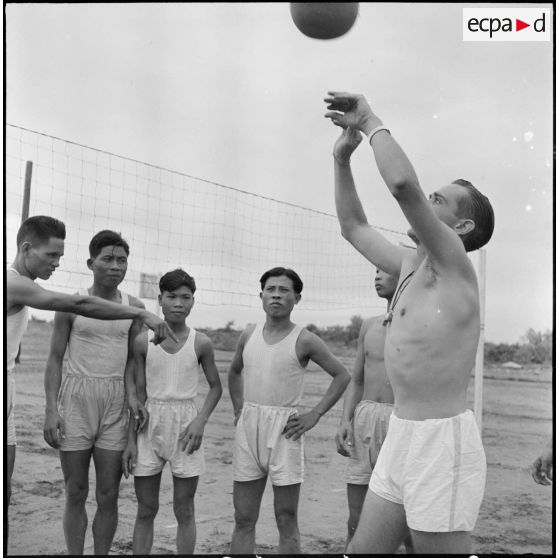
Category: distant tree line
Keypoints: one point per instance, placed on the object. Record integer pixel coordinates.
(534, 347)
(339, 334)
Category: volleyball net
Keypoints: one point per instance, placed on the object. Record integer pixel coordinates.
(224, 237)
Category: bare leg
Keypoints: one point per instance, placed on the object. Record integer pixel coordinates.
(286, 514)
(147, 493)
(108, 472)
(11, 462)
(184, 511)
(247, 498)
(355, 497)
(409, 547)
(75, 467)
(381, 529)
(458, 542)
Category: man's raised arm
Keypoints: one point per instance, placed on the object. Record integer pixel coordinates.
(348, 110)
(354, 225)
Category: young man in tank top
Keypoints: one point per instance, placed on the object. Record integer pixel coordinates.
(86, 411)
(430, 474)
(266, 384)
(40, 245)
(166, 378)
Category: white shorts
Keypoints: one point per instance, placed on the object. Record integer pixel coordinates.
(261, 449)
(10, 418)
(370, 426)
(435, 468)
(159, 443)
(94, 412)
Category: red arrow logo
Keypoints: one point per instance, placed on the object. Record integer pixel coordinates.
(519, 25)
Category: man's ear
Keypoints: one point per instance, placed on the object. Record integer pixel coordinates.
(464, 226)
(25, 247)
(261, 294)
(89, 263)
(298, 296)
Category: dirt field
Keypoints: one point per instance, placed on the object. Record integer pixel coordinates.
(516, 515)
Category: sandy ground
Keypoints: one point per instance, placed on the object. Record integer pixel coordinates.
(516, 515)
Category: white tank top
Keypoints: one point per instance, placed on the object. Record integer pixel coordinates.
(171, 377)
(16, 324)
(272, 373)
(98, 348)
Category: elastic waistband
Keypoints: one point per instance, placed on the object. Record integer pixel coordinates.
(369, 401)
(465, 414)
(84, 377)
(271, 407)
(155, 401)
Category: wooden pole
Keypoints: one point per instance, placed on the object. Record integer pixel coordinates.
(26, 191)
(25, 214)
(479, 362)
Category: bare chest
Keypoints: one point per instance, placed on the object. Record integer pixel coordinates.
(374, 341)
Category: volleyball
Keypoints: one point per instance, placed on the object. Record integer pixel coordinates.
(324, 20)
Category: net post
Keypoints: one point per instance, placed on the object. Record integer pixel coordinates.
(25, 214)
(26, 191)
(149, 289)
(479, 362)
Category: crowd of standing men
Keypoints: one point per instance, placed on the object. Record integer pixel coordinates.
(415, 469)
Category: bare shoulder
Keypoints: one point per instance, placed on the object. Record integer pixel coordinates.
(203, 341)
(13, 278)
(369, 322)
(247, 333)
(16, 287)
(377, 320)
(313, 347)
(19, 283)
(244, 337)
(370, 325)
(308, 339)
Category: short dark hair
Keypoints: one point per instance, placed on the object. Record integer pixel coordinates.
(175, 279)
(106, 238)
(39, 229)
(277, 272)
(477, 207)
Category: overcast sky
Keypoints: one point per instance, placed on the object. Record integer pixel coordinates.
(232, 93)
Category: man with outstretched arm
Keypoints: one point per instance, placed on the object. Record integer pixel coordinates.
(431, 470)
(40, 245)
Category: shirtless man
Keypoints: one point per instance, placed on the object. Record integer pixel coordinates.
(367, 406)
(40, 245)
(266, 381)
(431, 470)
